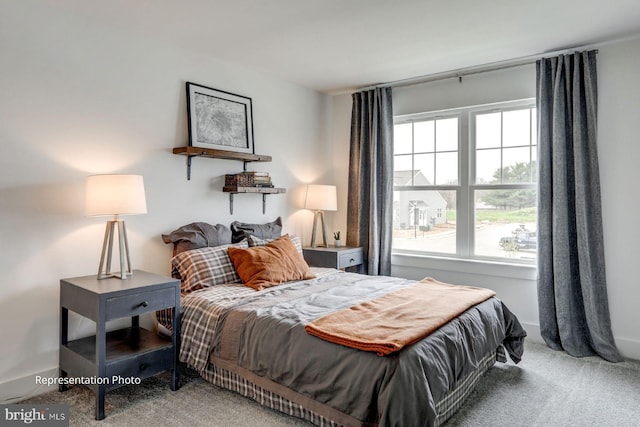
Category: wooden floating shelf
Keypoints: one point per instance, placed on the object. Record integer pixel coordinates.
(211, 153)
(263, 190)
(221, 154)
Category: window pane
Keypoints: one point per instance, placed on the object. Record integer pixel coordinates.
(534, 164)
(517, 167)
(424, 221)
(424, 137)
(424, 164)
(488, 130)
(447, 134)
(488, 166)
(402, 135)
(516, 128)
(506, 224)
(446, 168)
(402, 163)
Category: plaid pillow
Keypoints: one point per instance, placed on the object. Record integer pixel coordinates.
(205, 267)
(256, 241)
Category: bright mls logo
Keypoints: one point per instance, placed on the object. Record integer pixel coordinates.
(34, 415)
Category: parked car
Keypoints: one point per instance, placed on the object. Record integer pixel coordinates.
(520, 240)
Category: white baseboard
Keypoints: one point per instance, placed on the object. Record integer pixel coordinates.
(628, 347)
(22, 388)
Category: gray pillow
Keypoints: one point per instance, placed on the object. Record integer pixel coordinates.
(270, 230)
(197, 235)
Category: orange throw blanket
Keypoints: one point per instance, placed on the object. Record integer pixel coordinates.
(388, 323)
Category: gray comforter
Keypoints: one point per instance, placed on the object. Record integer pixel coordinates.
(263, 333)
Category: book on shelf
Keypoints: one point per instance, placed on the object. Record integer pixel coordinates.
(262, 179)
(248, 179)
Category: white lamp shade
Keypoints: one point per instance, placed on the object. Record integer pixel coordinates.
(321, 198)
(115, 195)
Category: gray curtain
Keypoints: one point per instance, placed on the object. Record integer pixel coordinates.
(370, 199)
(572, 290)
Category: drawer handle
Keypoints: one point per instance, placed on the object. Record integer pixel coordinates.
(352, 260)
(143, 366)
(143, 304)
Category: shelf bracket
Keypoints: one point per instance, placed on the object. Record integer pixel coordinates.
(264, 203)
(189, 167)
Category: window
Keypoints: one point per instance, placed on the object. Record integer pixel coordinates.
(465, 182)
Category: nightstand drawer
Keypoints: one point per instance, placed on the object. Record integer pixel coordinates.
(332, 257)
(144, 365)
(143, 302)
(350, 259)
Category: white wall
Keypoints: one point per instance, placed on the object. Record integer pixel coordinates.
(619, 155)
(79, 98)
(619, 127)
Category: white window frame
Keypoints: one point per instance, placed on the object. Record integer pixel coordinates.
(466, 187)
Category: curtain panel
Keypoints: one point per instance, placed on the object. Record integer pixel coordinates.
(572, 289)
(370, 199)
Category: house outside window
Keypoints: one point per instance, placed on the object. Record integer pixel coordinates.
(465, 182)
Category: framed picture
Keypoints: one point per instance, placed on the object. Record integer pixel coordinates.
(219, 120)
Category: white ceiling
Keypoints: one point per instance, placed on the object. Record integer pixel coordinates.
(336, 45)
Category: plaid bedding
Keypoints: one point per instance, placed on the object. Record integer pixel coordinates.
(236, 383)
(201, 312)
(209, 267)
(205, 267)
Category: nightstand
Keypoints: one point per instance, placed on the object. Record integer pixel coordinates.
(109, 360)
(340, 258)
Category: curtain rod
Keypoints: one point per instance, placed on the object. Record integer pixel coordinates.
(478, 69)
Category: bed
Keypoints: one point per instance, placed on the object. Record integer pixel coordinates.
(254, 342)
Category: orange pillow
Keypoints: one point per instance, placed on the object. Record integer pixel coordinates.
(276, 262)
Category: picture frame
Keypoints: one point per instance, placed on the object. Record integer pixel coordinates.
(219, 120)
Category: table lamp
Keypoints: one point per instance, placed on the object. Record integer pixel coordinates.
(320, 198)
(115, 195)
